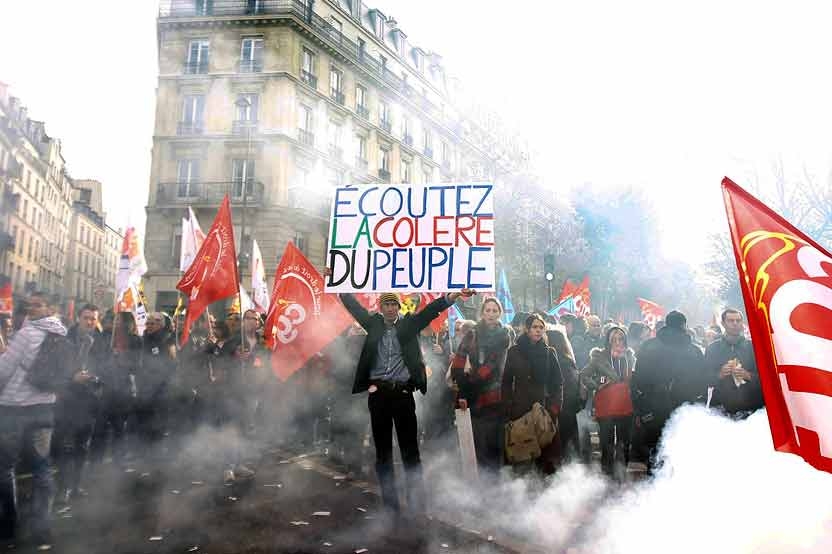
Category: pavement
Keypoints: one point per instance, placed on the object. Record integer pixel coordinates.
(297, 503)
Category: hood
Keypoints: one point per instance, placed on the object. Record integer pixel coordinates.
(49, 324)
(673, 336)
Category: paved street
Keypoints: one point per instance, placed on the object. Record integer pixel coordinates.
(295, 504)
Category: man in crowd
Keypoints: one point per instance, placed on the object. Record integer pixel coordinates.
(35, 365)
(391, 368)
(669, 372)
(732, 367)
(592, 339)
(157, 364)
(79, 402)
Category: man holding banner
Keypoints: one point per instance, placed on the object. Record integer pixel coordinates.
(391, 368)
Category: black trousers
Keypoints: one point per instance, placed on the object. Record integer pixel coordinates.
(615, 433)
(397, 408)
(73, 445)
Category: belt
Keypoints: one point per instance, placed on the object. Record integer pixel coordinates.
(393, 386)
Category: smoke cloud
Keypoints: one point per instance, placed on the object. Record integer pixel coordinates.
(722, 488)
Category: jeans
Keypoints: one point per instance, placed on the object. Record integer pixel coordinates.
(73, 442)
(389, 408)
(22, 429)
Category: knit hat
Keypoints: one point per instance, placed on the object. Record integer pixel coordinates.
(389, 297)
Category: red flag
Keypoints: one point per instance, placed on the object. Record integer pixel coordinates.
(786, 282)
(426, 298)
(650, 312)
(582, 298)
(213, 274)
(302, 319)
(568, 291)
(6, 295)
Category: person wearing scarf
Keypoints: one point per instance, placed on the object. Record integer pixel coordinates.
(611, 366)
(533, 375)
(477, 370)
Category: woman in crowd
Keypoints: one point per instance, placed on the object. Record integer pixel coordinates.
(477, 369)
(533, 375)
(572, 402)
(607, 376)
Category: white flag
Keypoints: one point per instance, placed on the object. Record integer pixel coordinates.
(192, 238)
(259, 286)
(245, 301)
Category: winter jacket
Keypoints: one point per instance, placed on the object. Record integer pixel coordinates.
(481, 383)
(731, 396)
(80, 401)
(671, 371)
(408, 328)
(522, 386)
(157, 365)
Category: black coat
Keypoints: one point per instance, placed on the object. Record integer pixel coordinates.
(157, 365)
(408, 328)
(733, 398)
(670, 371)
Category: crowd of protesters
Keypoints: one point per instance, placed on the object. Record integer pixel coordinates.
(80, 394)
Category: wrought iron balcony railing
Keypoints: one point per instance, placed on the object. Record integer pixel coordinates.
(309, 78)
(208, 192)
(243, 127)
(194, 68)
(250, 66)
(306, 137)
(190, 127)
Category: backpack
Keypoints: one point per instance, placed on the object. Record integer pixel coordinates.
(52, 367)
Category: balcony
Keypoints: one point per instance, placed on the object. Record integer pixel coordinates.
(362, 111)
(250, 66)
(14, 171)
(196, 68)
(337, 95)
(190, 127)
(407, 139)
(309, 78)
(336, 151)
(208, 193)
(428, 152)
(384, 175)
(361, 163)
(385, 124)
(243, 127)
(306, 137)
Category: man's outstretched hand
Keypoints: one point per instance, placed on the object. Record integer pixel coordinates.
(452, 296)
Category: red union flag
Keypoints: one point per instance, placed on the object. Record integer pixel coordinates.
(213, 274)
(786, 281)
(302, 319)
(650, 311)
(426, 298)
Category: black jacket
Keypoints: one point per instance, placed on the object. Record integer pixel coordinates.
(670, 371)
(408, 328)
(744, 398)
(157, 365)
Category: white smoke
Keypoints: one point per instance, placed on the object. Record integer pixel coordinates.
(722, 488)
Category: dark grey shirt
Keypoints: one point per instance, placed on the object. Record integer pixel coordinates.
(389, 364)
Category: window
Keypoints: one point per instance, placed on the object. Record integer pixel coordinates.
(336, 79)
(405, 172)
(28, 179)
(362, 48)
(384, 159)
(446, 154)
(242, 176)
(197, 61)
(187, 179)
(428, 144)
(176, 246)
(334, 139)
(203, 7)
(307, 68)
(251, 55)
(426, 177)
(193, 106)
(298, 191)
(383, 61)
(246, 107)
(362, 148)
(21, 243)
(360, 97)
(306, 118)
(406, 136)
(384, 116)
(300, 241)
(379, 25)
(254, 7)
(29, 252)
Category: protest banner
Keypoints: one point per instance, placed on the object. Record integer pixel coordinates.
(412, 238)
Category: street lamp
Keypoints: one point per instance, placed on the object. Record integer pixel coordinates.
(243, 104)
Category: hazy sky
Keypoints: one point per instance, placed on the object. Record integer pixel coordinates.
(669, 96)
